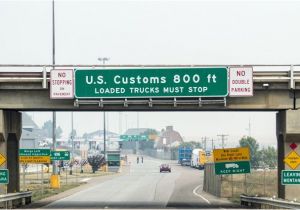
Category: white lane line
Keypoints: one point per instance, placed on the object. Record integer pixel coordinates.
(197, 194)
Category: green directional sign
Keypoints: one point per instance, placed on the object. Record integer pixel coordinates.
(239, 167)
(60, 155)
(151, 83)
(290, 177)
(34, 156)
(134, 137)
(4, 176)
(34, 152)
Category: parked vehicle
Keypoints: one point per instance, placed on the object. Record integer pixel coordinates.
(164, 167)
(198, 159)
(184, 156)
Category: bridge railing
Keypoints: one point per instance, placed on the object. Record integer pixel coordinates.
(261, 73)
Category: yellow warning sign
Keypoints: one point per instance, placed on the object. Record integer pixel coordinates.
(231, 154)
(34, 159)
(2, 159)
(292, 160)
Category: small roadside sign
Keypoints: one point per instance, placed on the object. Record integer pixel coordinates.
(61, 84)
(231, 154)
(4, 176)
(2, 159)
(290, 177)
(60, 155)
(36, 156)
(292, 160)
(240, 167)
(240, 81)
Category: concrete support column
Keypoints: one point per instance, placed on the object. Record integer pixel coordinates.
(288, 132)
(10, 134)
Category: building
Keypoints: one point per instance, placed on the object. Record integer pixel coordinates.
(168, 138)
(32, 135)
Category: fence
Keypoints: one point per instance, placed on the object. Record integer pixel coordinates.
(257, 183)
(212, 183)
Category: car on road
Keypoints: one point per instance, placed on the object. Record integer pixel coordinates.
(165, 168)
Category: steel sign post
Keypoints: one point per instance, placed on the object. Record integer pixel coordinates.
(151, 83)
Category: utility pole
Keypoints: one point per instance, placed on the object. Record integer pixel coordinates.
(104, 135)
(72, 140)
(54, 169)
(205, 142)
(223, 139)
(137, 125)
(212, 144)
(249, 128)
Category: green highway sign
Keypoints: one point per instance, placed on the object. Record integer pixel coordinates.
(290, 177)
(34, 156)
(134, 137)
(60, 155)
(151, 83)
(4, 176)
(34, 152)
(239, 167)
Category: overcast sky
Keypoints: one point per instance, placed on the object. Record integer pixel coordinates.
(157, 32)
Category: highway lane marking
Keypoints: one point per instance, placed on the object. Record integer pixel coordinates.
(197, 194)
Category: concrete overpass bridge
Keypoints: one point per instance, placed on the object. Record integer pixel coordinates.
(276, 88)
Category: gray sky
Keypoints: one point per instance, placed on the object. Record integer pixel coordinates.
(157, 32)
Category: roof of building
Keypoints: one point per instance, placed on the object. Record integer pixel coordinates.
(28, 135)
(27, 121)
(100, 132)
(136, 131)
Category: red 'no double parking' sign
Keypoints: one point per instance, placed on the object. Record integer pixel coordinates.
(240, 81)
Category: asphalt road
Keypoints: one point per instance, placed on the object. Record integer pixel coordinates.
(143, 186)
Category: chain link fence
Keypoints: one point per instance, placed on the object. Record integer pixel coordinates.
(260, 182)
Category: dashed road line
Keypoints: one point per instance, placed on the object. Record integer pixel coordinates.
(200, 196)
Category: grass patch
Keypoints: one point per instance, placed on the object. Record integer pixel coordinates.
(38, 194)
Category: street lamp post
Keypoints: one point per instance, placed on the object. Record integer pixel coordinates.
(72, 142)
(54, 169)
(103, 60)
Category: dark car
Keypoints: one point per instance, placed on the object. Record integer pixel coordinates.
(164, 167)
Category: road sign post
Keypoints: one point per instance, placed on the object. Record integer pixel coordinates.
(151, 83)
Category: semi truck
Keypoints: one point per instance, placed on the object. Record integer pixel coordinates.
(184, 156)
(198, 159)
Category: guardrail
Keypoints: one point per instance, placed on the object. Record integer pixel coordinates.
(12, 200)
(267, 203)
